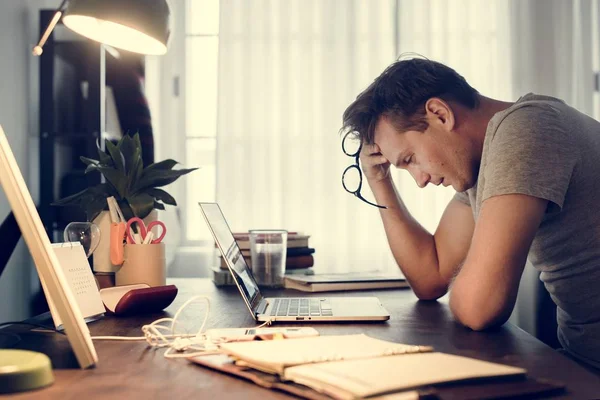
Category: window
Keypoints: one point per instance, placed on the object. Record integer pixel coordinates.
(201, 69)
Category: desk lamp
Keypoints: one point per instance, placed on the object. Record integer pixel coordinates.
(140, 26)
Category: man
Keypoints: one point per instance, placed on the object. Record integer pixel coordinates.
(526, 176)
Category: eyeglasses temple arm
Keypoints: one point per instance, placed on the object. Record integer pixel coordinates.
(367, 201)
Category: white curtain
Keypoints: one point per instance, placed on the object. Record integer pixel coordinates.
(552, 47)
(287, 71)
(470, 36)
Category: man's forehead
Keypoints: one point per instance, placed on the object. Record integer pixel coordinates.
(383, 128)
(385, 131)
(393, 144)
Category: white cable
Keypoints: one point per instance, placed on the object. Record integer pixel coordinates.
(136, 338)
(179, 344)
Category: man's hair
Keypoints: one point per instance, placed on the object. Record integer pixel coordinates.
(400, 94)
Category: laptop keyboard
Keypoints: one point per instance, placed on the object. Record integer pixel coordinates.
(304, 307)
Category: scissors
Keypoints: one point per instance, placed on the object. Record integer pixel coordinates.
(144, 230)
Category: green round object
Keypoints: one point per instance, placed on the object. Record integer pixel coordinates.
(22, 370)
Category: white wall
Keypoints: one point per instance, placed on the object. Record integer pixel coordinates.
(14, 65)
(19, 119)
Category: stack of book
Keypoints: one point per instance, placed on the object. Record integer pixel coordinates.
(299, 259)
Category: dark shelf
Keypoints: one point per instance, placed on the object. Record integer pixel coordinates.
(69, 122)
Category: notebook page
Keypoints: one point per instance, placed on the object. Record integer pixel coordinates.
(367, 377)
(276, 355)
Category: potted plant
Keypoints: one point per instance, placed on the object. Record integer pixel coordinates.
(133, 185)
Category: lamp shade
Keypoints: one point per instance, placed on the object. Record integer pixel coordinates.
(140, 26)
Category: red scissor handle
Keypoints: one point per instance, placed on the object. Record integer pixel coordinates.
(143, 230)
(163, 231)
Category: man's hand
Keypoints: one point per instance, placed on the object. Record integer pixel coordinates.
(375, 166)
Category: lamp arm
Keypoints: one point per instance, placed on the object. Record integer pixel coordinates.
(37, 50)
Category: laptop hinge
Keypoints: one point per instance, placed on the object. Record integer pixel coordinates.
(262, 306)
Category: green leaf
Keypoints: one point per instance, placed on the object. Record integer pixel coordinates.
(116, 156)
(94, 207)
(139, 171)
(163, 196)
(141, 204)
(136, 141)
(74, 199)
(134, 174)
(126, 210)
(89, 161)
(116, 178)
(130, 152)
(92, 200)
(137, 156)
(127, 180)
(104, 158)
(91, 168)
(92, 165)
(121, 141)
(105, 189)
(158, 178)
(165, 164)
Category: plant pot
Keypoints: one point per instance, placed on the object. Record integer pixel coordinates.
(144, 263)
(102, 264)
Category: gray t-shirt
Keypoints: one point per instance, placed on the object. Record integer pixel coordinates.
(543, 148)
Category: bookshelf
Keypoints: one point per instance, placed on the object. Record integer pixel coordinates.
(69, 121)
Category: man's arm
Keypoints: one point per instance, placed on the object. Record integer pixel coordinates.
(428, 261)
(484, 292)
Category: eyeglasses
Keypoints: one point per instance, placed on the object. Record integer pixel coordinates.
(352, 176)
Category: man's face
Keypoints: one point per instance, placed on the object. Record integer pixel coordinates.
(436, 156)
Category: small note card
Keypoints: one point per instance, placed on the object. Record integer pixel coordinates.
(78, 272)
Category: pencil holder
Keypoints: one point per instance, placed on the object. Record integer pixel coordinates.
(102, 261)
(144, 263)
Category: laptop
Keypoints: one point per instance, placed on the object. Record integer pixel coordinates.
(300, 309)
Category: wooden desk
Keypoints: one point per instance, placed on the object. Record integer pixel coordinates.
(131, 370)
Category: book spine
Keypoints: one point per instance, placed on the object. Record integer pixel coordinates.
(246, 235)
(293, 262)
(290, 253)
(300, 251)
(222, 277)
(291, 244)
(299, 262)
(299, 271)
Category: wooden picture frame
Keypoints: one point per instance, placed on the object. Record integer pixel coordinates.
(48, 268)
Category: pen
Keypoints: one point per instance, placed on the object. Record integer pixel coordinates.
(114, 217)
(148, 238)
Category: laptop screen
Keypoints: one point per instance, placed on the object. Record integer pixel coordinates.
(230, 251)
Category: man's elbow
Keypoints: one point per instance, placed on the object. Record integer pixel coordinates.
(477, 318)
(477, 323)
(431, 292)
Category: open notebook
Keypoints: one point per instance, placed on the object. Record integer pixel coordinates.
(352, 366)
